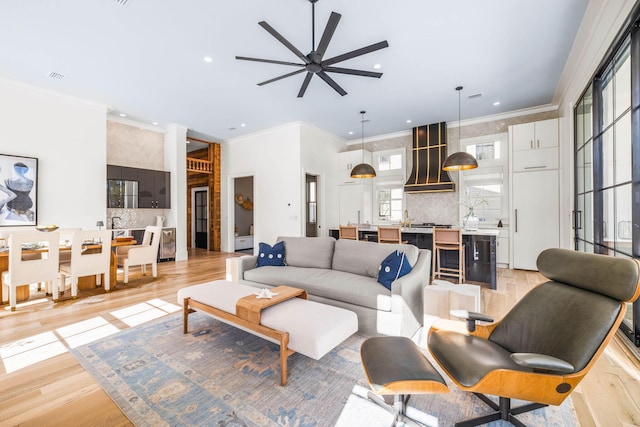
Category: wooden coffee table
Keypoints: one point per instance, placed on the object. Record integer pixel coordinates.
(250, 307)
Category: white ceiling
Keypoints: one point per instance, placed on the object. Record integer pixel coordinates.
(145, 59)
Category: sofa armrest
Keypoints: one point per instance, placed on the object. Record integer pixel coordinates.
(410, 286)
(246, 263)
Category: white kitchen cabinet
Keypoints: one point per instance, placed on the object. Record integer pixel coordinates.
(347, 160)
(543, 158)
(534, 135)
(536, 220)
(356, 202)
(502, 249)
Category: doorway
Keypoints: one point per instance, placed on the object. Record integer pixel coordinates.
(311, 206)
(243, 214)
(200, 217)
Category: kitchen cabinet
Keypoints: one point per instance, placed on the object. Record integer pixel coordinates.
(535, 216)
(356, 203)
(534, 145)
(154, 189)
(536, 219)
(502, 248)
(137, 188)
(347, 160)
(534, 135)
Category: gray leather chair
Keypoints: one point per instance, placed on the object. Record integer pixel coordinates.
(550, 339)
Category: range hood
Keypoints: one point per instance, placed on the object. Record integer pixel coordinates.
(429, 153)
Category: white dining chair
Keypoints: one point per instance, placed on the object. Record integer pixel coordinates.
(90, 255)
(25, 270)
(143, 254)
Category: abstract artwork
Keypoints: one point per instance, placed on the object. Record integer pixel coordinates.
(18, 190)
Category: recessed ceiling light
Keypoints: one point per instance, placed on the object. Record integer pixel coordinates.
(350, 132)
(208, 59)
(377, 66)
(409, 121)
(496, 103)
(155, 123)
(242, 125)
(123, 115)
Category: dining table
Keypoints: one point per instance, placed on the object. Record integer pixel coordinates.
(87, 282)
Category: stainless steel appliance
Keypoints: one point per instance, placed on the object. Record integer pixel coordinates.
(167, 250)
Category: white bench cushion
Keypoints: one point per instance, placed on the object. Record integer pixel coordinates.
(314, 328)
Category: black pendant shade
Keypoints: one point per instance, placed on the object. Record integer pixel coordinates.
(363, 170)
(460, 161)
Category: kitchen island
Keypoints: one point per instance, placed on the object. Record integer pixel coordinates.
(480, 249)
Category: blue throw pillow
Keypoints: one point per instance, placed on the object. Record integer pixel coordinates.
(268, 255)
(395, 265)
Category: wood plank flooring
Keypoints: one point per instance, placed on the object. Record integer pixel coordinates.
(57, 391)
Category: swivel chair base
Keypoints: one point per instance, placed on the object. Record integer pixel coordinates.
(503, 412)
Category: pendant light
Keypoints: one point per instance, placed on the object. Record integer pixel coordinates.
(461, 160)
(363, 170)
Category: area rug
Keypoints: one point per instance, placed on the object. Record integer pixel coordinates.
(218, 375)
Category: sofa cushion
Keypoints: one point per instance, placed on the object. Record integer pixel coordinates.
(314, 252)
(321, 282)
(395, 265)
(268, 255)
(364, 258)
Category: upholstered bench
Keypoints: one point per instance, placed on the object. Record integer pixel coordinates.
(297, 325)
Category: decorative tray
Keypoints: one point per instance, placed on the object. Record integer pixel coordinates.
(47, 228)
(123, 238)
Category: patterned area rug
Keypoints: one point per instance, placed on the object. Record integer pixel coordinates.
(218, 375)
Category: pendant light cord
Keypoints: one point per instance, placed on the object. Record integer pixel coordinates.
(459, 89)
(362, 133)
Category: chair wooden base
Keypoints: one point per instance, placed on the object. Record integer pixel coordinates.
(503, 411)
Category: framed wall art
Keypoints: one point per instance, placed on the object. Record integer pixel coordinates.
(18, 190)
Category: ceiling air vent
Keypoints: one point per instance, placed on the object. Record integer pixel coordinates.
(56, 76)
(122, 2)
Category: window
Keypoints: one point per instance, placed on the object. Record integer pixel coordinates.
(390, 203)
(389, 183)
(606, 213)
(389, 162)
(484, 189)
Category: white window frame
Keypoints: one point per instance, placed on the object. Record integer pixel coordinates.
(485, 174)
(392, 179)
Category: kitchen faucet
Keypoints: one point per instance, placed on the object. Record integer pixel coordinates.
(112, 218)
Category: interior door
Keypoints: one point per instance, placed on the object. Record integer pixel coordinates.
(311, 206)
(201, 219)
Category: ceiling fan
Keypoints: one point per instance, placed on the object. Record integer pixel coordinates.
(313, 62)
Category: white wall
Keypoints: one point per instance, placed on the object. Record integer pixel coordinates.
(319, 156)
(272, 157)
(602, 21)
(68, 136)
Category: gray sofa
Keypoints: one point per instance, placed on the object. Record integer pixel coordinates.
(343, 273)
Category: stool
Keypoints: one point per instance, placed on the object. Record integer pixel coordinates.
(447, 239)
(348, 232)
(396, 366)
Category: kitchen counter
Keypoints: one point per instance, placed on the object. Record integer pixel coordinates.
(429, 230)
(480, 249)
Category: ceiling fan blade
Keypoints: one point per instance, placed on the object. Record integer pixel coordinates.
(332, 83)
(352, 71)
(281, 77)
(270, 61)
(305, 83)
(284, 41)
(357, 52)
(328, 33)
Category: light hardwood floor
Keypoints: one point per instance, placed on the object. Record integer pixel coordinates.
(57, 391)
